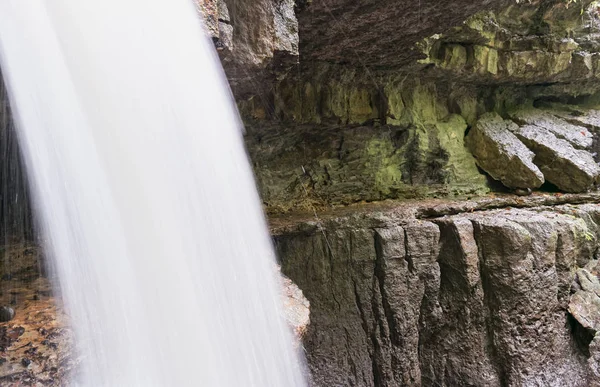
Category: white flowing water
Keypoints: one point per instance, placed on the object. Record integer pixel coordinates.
(145, 194)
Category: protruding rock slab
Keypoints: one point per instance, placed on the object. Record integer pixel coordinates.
(578, 136)
(589, 118)
(500, 153)
(570, 169)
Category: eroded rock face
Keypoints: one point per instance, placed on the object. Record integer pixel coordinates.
(504, 150)
(255, 40)
(584, 306)
(500, 153)
(301, 167)
(470, 299)
(577, 136)
(375, 33)
(295, 307)
(570, 169)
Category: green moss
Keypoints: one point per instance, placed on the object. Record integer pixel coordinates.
(359, 106)
(426, 46)
(484, 24)
(492, 62)
(337, 101)
(384, 161)
(468, 107)
(424, 106)
(455, 57)
(461, 170)
(396, 108)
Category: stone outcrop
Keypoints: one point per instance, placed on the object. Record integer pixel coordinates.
(500, 153)
(477, 299)
(410, 107)
(570, 169)
(506, 150)
(295, 307)
(577, 136)
(526, 42)
(256, 40)
(302, 166)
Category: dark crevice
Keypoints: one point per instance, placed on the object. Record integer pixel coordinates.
(329, 254)
(407, 257)
(583, 337)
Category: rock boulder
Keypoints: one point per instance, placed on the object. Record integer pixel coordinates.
(570, 169)
(500, 153)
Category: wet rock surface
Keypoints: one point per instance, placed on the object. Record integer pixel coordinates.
(570, 169)
(476, 298)
(295, 307)
(500, 153)
(255, 40)
(504, 150)
(577, 136)
(6, 313)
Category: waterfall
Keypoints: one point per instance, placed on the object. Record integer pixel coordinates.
(144, 194)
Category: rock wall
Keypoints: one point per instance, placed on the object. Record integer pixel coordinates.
(418, 100)
(350, 124)
(472, 299)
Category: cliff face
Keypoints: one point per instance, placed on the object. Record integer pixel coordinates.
(414, 100)
(337, 129)
(472, 299)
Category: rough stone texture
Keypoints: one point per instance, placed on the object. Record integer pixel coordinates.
(584, 306)
(527, 42)
(585, 303)
(578, 136)
(570, 169)
(303, 167)
(474, 299)
(500, 153)
(256, 40)
(377, 33)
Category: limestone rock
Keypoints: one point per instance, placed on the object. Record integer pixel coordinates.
(578, 136)
(306, 166)
(473, 299)
(589, 118)
(253, 38)
(500, 153)
(570, 169)
(584, 304)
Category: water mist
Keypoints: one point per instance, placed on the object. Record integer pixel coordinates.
(145, 195)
